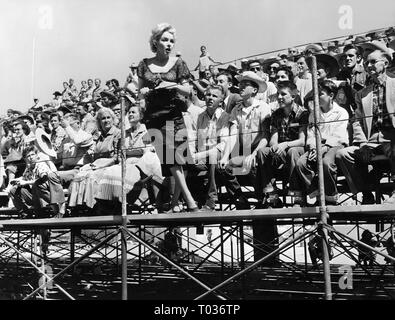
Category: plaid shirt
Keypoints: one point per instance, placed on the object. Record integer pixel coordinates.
(381, 118)
(288, 129)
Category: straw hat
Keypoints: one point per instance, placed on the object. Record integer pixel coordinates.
(377, 45)
(43, 142)
(252, 76)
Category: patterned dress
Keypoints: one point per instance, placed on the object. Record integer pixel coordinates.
(163, 105)
(83, 188)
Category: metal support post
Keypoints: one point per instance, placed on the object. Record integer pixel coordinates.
(257, 263)
(323, 209)
(124, 208)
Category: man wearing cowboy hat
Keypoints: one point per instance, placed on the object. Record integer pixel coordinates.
(327, 67)
(29, 121)
(46, 181)
(108, 99)
(374, 125)
(270, 93)
(248, 133)
(249, 130)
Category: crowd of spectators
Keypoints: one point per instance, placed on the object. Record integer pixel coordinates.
(254, 120)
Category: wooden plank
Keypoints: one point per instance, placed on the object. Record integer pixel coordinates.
(194, 219)
(53, 223)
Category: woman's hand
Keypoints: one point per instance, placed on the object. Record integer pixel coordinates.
(166, 85)
(144, 91)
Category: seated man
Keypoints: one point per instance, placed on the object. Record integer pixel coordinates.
(13, 150)
(76, 147)
(270, 93)
(224, 79)
(249, 130)
(38, 182)
(87, 121)
(332, 124)
(288, 135)
(57, 136)
(372, 135)
(212, 132)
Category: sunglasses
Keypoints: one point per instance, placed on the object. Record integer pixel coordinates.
(255, 68)
(372, 62)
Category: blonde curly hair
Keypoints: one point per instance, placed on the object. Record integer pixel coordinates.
(157, 32)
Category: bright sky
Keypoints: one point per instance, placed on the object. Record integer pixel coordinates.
(100, 38)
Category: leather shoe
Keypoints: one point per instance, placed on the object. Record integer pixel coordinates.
(368, 198)
(391, 199)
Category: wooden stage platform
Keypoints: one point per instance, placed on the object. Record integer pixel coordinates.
(342, 213)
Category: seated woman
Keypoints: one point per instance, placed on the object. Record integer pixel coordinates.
(105, 154)
(140, 162)
(101, 180)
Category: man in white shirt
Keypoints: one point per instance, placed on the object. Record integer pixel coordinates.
(333, 122)
(249, 132)
(209, 145)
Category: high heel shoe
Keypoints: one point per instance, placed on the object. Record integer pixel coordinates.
(194, 209)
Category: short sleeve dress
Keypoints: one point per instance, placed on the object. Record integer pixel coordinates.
(163, 106)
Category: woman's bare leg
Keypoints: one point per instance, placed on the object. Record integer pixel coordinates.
(181, 183)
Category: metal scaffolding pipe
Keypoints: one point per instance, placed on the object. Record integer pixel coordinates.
(172, 263)
(362, 244)
(124, 253)
(257, 263)
(75, 262)
(323, 209)
(10, 245)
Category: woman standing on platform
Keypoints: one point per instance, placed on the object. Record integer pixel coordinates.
(161, 79)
